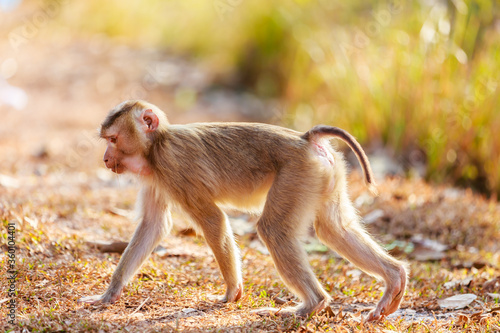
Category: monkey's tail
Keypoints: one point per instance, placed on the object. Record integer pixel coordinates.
(321, 130)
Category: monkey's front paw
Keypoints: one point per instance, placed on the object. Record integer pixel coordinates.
(100, 299)
(96, 299)
(232, 295)
(374, 315)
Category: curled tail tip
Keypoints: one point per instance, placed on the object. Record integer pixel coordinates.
(372, 188)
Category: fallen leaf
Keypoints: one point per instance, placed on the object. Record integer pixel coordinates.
(329, 312)
(463, 319)
(8, 182)
(494, 296)
(354, 273)
(430, 244)
(279, 301)
(241, 226)
(174, 251)
(427, 249)
(457, 302)
(469, 265)
(121, 212)
(106, 247)
(492, 284)
(373, 216)
(189, 232)
(457, 283)
(427, 255)
(32, 222)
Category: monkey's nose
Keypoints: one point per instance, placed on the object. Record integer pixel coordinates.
(108, 164)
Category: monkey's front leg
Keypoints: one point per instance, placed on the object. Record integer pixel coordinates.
(155, 223)
(219, 236)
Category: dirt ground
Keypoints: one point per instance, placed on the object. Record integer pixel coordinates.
(54, 189)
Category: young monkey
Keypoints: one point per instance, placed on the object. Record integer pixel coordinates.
(294, 179)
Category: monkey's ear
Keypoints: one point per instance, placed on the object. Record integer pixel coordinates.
(149, 121)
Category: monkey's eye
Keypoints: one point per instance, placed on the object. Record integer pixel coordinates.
(112, 140)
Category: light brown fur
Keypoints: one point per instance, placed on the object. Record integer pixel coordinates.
(295, 179)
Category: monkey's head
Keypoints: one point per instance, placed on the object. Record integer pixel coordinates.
(129, 130)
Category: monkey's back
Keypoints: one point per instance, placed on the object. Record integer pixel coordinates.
(231, 160)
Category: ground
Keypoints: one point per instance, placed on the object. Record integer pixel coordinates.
(60, 200)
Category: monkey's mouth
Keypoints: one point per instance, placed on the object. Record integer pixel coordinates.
(118, 169)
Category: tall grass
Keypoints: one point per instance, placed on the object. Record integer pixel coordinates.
(409, 74)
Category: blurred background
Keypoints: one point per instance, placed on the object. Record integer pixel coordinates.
(417, 82)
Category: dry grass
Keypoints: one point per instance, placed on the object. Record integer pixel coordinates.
(56, 267)
(52, 186)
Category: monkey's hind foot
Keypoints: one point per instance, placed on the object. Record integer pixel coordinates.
(392, 298)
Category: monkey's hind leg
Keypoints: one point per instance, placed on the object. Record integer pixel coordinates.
(337, 226)
(284, 216)
(219, 236)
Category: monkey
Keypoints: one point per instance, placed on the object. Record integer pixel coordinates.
(294, 180)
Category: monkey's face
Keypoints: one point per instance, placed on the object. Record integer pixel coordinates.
(128, 131)
(123, 154)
